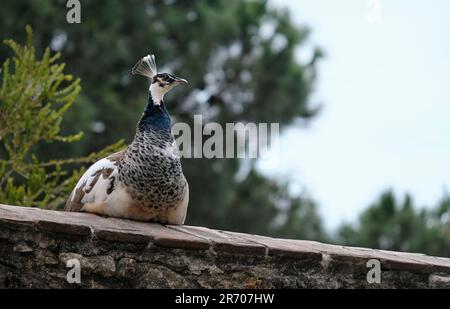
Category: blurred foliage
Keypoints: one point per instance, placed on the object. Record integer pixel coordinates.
(34, 96)
(390, 224)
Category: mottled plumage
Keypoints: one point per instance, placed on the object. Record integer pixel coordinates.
(145, 181)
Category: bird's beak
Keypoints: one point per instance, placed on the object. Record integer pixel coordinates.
(179, 81)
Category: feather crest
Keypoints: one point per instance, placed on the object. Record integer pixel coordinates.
(146, 66)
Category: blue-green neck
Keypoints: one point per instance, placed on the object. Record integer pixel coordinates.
(155, 118)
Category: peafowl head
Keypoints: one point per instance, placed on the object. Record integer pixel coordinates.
(160, 83)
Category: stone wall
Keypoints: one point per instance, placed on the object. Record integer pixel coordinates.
(36, 245)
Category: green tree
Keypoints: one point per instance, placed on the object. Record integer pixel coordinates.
(400, 226)
(239, 59)
(34, 96)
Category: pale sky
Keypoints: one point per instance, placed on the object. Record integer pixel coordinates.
(385, 90)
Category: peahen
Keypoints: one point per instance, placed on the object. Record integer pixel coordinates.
(145, 181)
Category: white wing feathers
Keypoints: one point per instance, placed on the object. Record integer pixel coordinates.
(95, 185)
